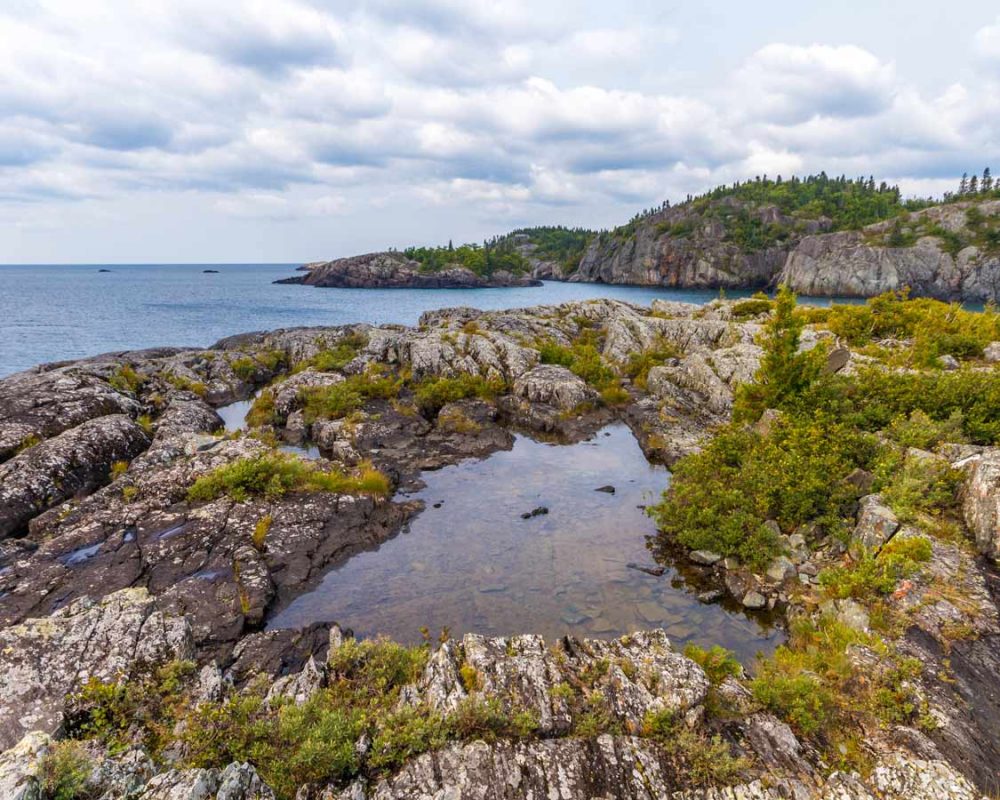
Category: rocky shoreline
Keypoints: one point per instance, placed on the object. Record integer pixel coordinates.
(113, 562)
(392, 270)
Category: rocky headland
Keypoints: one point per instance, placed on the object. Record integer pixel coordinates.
(393, 270)
(143, 550)
(820, 236)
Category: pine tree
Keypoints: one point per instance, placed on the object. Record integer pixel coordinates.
(963, 185)
(973, 185)
(987, 182)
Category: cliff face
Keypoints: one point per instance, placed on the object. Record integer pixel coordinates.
(942, 252)
(696, 247)
(390, 270)
(949, 252)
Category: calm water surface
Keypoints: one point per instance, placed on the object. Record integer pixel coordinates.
(52, 313)
(473, 564)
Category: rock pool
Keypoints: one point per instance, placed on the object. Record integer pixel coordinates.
(469, 562)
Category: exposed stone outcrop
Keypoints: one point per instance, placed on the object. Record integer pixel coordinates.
(75, 461)
(393, 270)
(981, 501)
(43, 661)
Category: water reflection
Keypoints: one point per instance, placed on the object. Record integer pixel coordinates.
(469, 562)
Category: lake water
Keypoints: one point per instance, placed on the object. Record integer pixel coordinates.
(52, 313)
(470, 562)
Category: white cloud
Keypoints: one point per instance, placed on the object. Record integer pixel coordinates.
(283, 109)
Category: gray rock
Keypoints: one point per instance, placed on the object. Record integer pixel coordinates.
(43, 661)
(392, 270)
(19, 767)
(706, 557)
(852, 614)
(981, 501)
(992, 352)
(555, 386)
(876, 524)
(77, 460)
(780, 569)
(754, 599)
(948, 362)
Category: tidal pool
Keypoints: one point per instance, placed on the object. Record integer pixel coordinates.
(469, 562)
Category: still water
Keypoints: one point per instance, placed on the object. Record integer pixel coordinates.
(469, 562)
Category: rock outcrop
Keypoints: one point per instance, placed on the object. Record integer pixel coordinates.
(43, 661)
(392, 270)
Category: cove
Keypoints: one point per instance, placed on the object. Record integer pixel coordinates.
(469, 562)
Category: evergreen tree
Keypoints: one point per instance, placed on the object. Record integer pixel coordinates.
(973, 185)
(987, 182)
(963, 185)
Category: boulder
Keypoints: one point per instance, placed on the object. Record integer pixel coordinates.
(19, 767)
(981, 501)
(876, 524)
(555, 386)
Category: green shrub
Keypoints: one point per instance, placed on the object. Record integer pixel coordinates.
(432, 394)
(871, 575)
(64, 773)
(27, 442)
(245, 368)
(275, 474)
(914, 485)
(639, 364)
(554, 353)
(755, 306)
(785, 374)
(920, 431)
(339, 400)
(263, 412)
(335, 358)
(703, 760)
(720, 498)
(404, 734)
(717, 662)
(126, 379)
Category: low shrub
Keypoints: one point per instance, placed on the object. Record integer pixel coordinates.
(703, 760)
(340, 399)
(720, 498)
(873, 575)
(126, 379)
(754, 307)
(431, 394)
(64, 772)
(275, 474)
(262, 412)
(717, 662)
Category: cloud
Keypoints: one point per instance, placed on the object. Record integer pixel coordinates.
(273, 110)
(791, 83)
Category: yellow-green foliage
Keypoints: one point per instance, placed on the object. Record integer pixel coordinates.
(813, 683)
(717, 662)
(275, 474)
(27, 442)
(260, 531)
(185, 384)
(920, 431)
(339, 400)
(64, 772)
(785, 374)
(455, 421)
(914, 485)
(582, 357)
(433, 393)
(703, 760)
(935, 328)
(753, 307)
(126, 379)
(145, 422)
(873, 575)
(639, 364)
(130, 493)
(720, 498)
(248, 367)
(118, 469)
(262, 411)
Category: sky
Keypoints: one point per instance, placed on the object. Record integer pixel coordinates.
(135, 131)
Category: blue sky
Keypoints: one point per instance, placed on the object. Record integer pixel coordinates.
(290, 130)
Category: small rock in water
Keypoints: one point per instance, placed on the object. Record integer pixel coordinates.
(754, 599)
(706, 557)
(493, 588)
(711, 596)
(609, 489)
(437, 505)
(573, 617)
(535, 512)
(657, 570)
